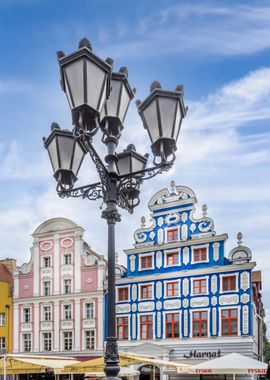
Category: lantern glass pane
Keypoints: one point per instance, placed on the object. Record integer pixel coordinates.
(74, 83)
(167, 114)
(78, 157)
(65, 145)
(150, 115)
(137, 164)
(123, 165)
(95, 80)
(124, 102)
(112, 102)
(177, 122)
(52, 149)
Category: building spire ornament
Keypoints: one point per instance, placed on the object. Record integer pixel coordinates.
(173, 189)
(239, 238)
(204, 210)
(143, 220)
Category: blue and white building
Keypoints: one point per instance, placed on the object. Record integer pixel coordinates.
(181, 298)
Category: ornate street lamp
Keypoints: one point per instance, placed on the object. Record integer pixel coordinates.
(99, 98)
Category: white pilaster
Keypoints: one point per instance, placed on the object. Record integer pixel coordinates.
(16, 285)
(15, 328)
(36, 267)
(100, 325)
(56, 264)
(101, 275)
(77, 262)
(36, 327)
(56, 325)
(77, 325)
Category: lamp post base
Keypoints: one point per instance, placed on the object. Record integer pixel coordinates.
(111, 357)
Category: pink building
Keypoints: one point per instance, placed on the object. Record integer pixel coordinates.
(59, 294)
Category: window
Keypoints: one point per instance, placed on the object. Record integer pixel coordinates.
(47, 313)
(172, 325)
(46, 288)
(229, 322)
(2, 342)
(199, 254)
(172, 234)
(146, 291)
(26, 340)
(26, 315)
(199, 286)
(46, 262)
(67, 259)
(67, 312)
(67, 337)
(147, 262)
(89, 310)
(146, 324)
(123, 294)
(47, 341)
(172, 258)
(228, 283)
(90, 340)
(172, 289)
(2, 319)
(67, 286)
(122, 328)
(200, 320)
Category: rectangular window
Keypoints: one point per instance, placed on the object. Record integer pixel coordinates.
(199, 286)
(172, 235)
(67, 337)
(199, 254)
(172, 289)
(2, 319)
(2, 342)
(67, 259)
(89, 310)
(26, 341)
(26, 315)
(46, 288)
(172, 258)
(200, 320)
(122, 328)
(123, 294)
(172, 325)
(47, 341)
(229, 322)
(228, 283)
(146, 325)
(147, 262)
(46, 262)
(90, 340)
(47, 313)
(146, 292)
(67, 286)
(67, 312)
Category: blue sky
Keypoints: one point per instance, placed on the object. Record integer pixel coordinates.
(219, 50)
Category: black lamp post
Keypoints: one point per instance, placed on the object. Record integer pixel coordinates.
(99, 98)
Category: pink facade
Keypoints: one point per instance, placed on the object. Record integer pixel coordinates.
(59, 294)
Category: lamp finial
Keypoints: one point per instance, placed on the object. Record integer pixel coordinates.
(239, 238)
(204, 210)
(84, 42)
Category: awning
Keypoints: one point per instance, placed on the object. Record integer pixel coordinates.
(231, 364)
(17, 364)
(124, 372)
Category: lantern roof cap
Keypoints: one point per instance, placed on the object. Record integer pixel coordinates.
(122, 75)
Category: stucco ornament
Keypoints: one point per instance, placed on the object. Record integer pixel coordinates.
(134, 292)
(160, 221)
(159, 289)
(25, 268)
(89, 260)
(185, 287)
(26, 287)
(192, 227)
(245, 319)
(185, 303)
(159, 259)
(245, 298)
(134, 307)
(214, 284)
(172, 304)
(214, 321)
(214, 301)
(66, 242)
(229, 299)
(123, 308)
(240, 254)
(216, 251)
(46, 245)
(185, 255)
(244, 281)
(146, 306)
(132, 263)
(199, 301)
(172, 218)
(159, 305)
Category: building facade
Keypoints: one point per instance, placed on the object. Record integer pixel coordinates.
(6, 304)
(59, 294)
(181, 298)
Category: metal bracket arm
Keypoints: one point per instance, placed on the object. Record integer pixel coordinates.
(91, 192)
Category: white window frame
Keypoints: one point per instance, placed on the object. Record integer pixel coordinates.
(200, 278)
(49, 340)
(220, 323)
(191, 323)
(65, 255)
(2, 342)
(139, 326)
(144, 284)
(85, 339)
(165, 288)
(24, 314)
(193, 248)
(63, 340)
(221, 276)
(168, 251)
(29, 342)
(129, 323)
(50, 288)
(144, 255)
(44, 261)
(117, 293)
(64, 314)
(164, 323)
(169, 229)
(69, 285)
(44, 312)
(2, 319)
(85, 309)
